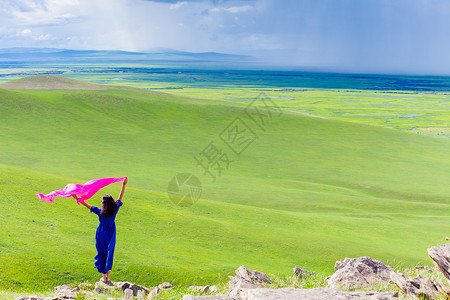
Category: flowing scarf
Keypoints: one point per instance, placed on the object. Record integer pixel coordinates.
(82, 191)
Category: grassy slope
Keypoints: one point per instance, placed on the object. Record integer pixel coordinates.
(309, 191)
(49, 81)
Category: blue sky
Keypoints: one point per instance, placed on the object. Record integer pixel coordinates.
(387, 36)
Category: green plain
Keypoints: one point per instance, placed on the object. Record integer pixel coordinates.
(307, 192)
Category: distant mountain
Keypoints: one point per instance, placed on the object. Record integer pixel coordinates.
(154, 55)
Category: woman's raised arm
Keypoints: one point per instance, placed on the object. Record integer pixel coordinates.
(84, 203)
(123, 189)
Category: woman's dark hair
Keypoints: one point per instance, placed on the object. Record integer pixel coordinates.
(109, 206)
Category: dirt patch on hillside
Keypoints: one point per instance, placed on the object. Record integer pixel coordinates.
(51, 82)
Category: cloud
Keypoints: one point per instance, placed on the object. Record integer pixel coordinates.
(238, 9)
(408, 35)
(25, 32)
(178, 5)
(232, 9)
(28, 12)
(45, 37)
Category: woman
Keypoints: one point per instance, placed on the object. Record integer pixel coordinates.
(105, 237)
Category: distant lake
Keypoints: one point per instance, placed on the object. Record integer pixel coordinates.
(193, 76)
(280, 79)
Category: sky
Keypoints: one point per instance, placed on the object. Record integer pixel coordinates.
(371, 36)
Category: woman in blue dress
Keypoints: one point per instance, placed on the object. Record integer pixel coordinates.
(105, 237)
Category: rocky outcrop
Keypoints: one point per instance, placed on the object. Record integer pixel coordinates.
(351, 273)
(441, 257)
(44, 298)
(156, 290)
(420, 286)
(356, 273)
(246, 278)
(203, 289)
(301, 273)
(135, 288)
(211, 297)
(317, 294)
(295, 293)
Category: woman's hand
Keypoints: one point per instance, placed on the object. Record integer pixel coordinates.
(123, 189)
(75, 196)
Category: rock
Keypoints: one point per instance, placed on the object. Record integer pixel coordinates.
(215, 297)
(254, 276)
(310, 294)
(442, 288)
(363, 272)
(39, 298)
(213, 289)
(300, 273)
(132, 286)
(200, 289)
(62, 289)
(100, 291)
(419, 286)
(295, 293)
(66, 292)
(165, 286)
(101, 288)
(128, 293)
(85, 286)
(441, 257)
(245, 278)
(141, 294)
(154, 292)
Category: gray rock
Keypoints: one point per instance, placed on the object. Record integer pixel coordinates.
(245, 278)
(38, 298)
(312, 294)
(85, 286)
(141, 294)
(62, 289)
(165, 286)
(98, 290)
(213, 289)
(132, 286)
(215, 297)
(442, 288)
(128, 294)
(363, 272)
(154, 292)
(103, 288)
(200, 289)
(441, 257)
(301, 273)
(250, 275)
(419, 286)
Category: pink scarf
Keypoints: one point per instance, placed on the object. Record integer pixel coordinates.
(83, 191)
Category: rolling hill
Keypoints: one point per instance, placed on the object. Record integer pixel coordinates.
(51, 82)
(306, 192)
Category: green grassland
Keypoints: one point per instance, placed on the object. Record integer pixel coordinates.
(307, 192)
(422, 113)
(416, 104)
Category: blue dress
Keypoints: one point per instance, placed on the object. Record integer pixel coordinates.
(105, 239)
